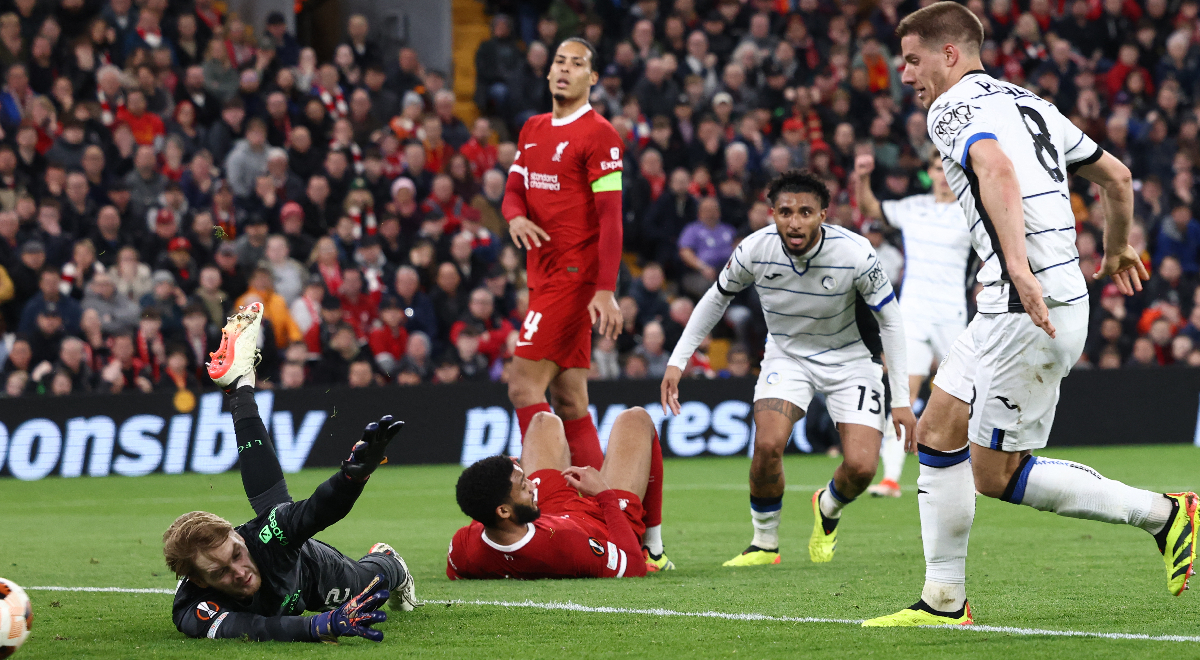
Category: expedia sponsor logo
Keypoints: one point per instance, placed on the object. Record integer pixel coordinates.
(610, 165)
(272, 529)
(544, 181)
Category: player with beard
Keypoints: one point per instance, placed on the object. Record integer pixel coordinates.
(830, 311)
(563, 204)
(256, 580)
(547, 518)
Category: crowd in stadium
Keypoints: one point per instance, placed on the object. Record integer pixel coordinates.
(163, 162)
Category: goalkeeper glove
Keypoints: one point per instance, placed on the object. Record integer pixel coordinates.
(354, 617)
(367, 453)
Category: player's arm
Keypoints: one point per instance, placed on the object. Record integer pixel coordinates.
(627, 562)
(223, 621)
(873, 284)
(1001, 198)
(605, 169)
(524, 232)
(868, 204)
(334, 498)
(733, 278)
(1121, 261)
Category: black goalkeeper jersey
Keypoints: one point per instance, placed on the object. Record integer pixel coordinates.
(298, 572)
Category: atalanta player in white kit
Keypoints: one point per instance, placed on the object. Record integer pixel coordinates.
(1007, 154)
(933, 295)
(830, 311)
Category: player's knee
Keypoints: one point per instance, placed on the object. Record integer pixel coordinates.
(935, 436)
(636, 417)
(991, 484)
(769, 448)
(521, 393)
(859, 474)
(545, 422)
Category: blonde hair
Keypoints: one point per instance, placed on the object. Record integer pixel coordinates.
(190, 534)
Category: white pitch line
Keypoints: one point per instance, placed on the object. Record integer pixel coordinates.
(736, 616)
(728, 616)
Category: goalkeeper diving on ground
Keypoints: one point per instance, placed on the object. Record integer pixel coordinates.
(256, 580)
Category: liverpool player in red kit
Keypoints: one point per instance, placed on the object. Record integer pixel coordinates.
(545, 518)
(563, 204)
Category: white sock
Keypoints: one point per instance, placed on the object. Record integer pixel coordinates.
(832, 502)
(652, 539)
(1077, 491)
(891, 452)
(765, 516)
(946, 499)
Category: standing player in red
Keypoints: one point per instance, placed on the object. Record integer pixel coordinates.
(563, 204)
(560, 521)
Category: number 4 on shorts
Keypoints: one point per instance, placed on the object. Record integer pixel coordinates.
(532, 319)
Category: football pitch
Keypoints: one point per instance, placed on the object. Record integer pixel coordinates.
(1030, 574)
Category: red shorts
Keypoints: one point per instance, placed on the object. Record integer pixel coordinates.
(558, 327)
(557, 498)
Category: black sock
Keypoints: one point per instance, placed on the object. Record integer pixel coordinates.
(1161, 537)
(259, 465)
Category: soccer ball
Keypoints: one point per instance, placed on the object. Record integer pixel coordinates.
(16, 617)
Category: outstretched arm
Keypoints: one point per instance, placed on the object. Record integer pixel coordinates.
(333, 499)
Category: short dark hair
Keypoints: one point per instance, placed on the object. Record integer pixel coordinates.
(483, 486)
(592, 62)
(944, 22)
(798, 181)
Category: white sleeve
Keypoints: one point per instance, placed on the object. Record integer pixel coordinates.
(958, 125)
(704, 318)
(891, 335)
(894, 212)
(1080, 149)
(735, 276)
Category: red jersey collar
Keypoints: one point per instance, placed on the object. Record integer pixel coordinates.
(510, 548)
(554, 121)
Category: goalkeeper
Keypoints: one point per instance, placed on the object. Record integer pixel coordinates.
(256, 580)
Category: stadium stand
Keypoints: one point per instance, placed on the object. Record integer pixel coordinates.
(162, 162)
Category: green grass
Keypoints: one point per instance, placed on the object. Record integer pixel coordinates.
(1027, 569)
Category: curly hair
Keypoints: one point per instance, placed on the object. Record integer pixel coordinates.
(798, 181)
(483, 486)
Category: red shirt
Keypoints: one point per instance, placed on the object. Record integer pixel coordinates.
(554, 547)
(388, 340)
(494, 339)
(145, 128)
(361, 313)
(557, 163)
(481, 156)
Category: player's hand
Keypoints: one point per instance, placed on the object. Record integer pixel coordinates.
(864, 165)
(906, 428)
(586, 480)
(1030, 291)
(354, 617)
(367, 453)
(1126, 270)
(670, 390)
(604, 308)
(526, 234)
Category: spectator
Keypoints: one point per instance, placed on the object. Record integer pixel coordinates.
(290, 276)
(1180, 238)
(653, 350)
(334, 366)
(704, 247)
(389, 338)
(117, 312)
(50, 295)
(275, 308)
(1143, 355)
(472, 364)
(447, 369)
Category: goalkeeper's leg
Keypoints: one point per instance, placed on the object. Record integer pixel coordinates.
(262, 477)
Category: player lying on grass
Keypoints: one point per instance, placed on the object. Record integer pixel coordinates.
(831, 312)
(257, 579)
(546, 518)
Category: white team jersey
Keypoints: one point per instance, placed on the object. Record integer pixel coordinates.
(809, 302)
(937, 247)
(1044, 147)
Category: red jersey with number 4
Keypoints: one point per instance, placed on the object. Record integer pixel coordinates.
(564, 163)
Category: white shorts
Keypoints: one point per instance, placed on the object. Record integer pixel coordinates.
(853, 391)
(1009, 370)
(927, 343)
